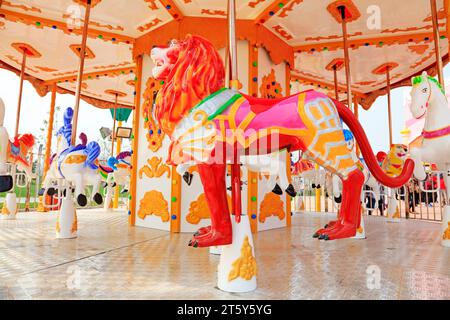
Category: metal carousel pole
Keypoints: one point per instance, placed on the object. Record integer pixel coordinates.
(242, 234)
(67, 225)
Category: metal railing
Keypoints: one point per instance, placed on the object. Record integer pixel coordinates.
(424, 201)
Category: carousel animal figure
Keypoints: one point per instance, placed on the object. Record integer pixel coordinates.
(272, 167)
(428, 101)
(209, 124)
(76, 164)
(392, 163)
(15, 152)
(117, 173)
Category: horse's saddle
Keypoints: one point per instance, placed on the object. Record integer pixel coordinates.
(260, 105)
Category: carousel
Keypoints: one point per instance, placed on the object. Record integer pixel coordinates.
(247, 165)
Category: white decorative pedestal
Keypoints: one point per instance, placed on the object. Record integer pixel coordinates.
(66, 222)
(108, 206)
(9, 210)
(237, 267)
(215, 251)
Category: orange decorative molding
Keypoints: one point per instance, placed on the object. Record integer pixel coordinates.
(214, 12)
(254, 3)
(419, 49)
(245, 266)
(115, 92)
(351, 11)
(149, 25)
(337, 63)
(216, 32)
(198, 210)
(154, 203)
(446, 235)
(423, 60)
(270, 11)
(152, 4)
(270, 88)
(154, 169)
(131, 83)
(172, 8)
(93, 75)
(332, 37)
(97, 24)
(21, 6)
(155, 136)
(113, 66)
(289, 8)
(27, 49)
(417, 38)
(381, 70)
(76, 48)
(282, 32)
(84, 2)
(272, 205)
(45, 69)
(40, 22)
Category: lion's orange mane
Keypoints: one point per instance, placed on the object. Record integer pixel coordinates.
(198, 72)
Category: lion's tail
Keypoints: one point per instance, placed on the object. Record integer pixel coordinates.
(367, 152)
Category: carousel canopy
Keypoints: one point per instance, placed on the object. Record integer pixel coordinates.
(382, 35)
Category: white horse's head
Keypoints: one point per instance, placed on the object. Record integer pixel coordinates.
(425, 89)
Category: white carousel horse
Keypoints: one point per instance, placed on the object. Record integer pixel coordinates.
(116, 173)
(428, 100)
(272, 166)
(75, 164)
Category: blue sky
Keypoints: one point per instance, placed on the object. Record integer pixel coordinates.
(35, 110)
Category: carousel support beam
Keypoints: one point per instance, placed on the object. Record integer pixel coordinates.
(437, 47)
(116, 189)
(234, 84)
(48, 143)
(336, 85)
(388, 88)
(113, 134)
(81, 70)
(19, 103)
(135, 144)
(346, 55)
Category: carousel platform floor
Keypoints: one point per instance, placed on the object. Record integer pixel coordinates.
(110, 260)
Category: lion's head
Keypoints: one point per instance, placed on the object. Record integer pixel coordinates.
(192, 70)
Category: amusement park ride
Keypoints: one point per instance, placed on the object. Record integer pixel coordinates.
(204, 144)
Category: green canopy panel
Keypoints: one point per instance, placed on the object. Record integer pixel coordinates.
(122, 114)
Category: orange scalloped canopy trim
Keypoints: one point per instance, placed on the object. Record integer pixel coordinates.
(216, 32)
(351, 11)
(385, 67)
(337, 63)
(27, 49)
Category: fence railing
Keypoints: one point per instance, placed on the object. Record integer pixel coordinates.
(416, 200)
